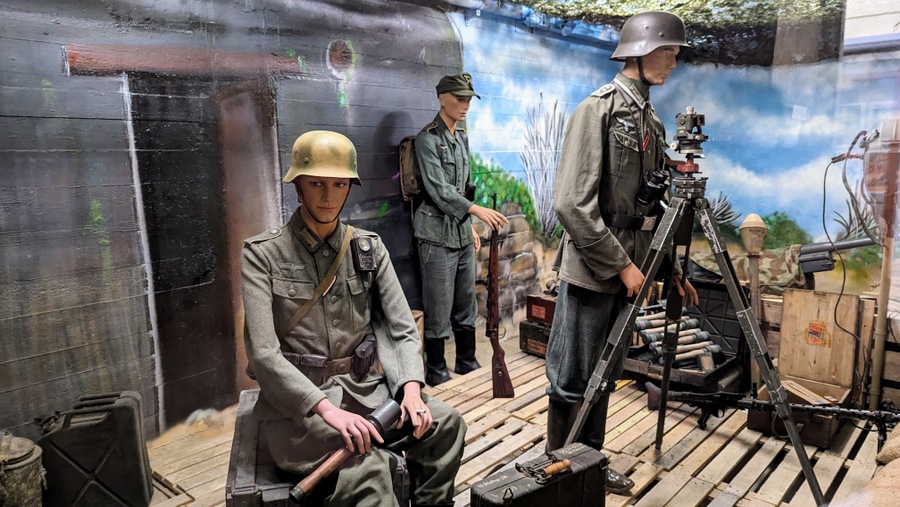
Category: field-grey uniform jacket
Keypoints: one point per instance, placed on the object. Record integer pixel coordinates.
(613, 140)
(442, 165)
(280, 270)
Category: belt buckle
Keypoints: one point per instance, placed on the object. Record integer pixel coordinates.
(648, 224)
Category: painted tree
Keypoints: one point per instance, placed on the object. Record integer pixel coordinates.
(783, 231)
(540, 156)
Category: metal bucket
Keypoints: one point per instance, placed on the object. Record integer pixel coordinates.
(21, 473)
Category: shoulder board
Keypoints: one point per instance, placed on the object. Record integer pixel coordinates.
(265, 236)
(360, 232)
(431, 126)
(604, 90)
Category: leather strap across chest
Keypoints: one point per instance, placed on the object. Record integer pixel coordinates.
(326, 282)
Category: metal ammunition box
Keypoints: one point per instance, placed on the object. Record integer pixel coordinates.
(533, 338)
(584, 484)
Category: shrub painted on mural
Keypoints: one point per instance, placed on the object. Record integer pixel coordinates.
(490, 179)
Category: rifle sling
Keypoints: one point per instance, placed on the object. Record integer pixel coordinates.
(323, 285)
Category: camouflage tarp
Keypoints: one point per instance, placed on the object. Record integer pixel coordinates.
(779, 269)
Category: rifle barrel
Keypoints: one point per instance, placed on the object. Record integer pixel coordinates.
(813, 248)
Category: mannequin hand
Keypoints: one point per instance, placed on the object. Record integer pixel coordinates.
(356, 431)
(632, 277)
(494, 219)
(413, 406)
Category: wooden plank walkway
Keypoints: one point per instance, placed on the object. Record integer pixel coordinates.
(725, 465)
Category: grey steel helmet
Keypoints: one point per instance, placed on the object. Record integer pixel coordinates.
(646, 31)
(325, 154)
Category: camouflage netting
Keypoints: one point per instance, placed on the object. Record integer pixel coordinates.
(779, 269)
(730, 32)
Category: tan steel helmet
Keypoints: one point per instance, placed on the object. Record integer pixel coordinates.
(325, 154)
(646, 31)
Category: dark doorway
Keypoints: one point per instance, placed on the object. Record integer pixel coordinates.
(196, 199)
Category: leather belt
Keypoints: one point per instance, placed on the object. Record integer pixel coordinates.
(645, 223)
(323, 366)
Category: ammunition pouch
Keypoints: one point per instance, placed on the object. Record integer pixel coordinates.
(470, 192)
(363, 357)
(642, 223)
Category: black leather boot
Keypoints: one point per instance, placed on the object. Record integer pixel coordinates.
(560, 418)
(465, 351)
(593, 434)
(435, 365)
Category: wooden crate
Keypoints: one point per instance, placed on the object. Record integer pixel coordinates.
(540, 308)
(533, 337)
(818, 353)
(815, 429)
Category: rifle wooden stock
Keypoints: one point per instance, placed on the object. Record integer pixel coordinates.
(502, 384)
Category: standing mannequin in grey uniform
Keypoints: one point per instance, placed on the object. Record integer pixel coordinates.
(443, 228)
(613, 141)
(318, 296)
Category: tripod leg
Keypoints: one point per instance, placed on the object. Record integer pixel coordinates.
(758, 348)
(621, 331)
(674, 304)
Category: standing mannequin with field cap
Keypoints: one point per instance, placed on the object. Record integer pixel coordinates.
(442, 226)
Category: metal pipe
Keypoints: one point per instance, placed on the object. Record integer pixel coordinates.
(880, 334)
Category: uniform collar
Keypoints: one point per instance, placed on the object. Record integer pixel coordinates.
(310, 240)
(638, 91)
(443, 126)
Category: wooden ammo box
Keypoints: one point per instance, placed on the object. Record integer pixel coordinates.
(533, 337)
(718, 318)
(254, 480)
(816, 362)
(527, 485)
(540, 308)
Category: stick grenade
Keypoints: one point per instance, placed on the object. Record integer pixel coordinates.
(641, 324)
(681, 324)
(382, 418)
(651, 316)
(686, 336)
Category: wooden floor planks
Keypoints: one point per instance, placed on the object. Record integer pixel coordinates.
(724, 465)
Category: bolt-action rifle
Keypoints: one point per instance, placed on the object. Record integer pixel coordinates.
(499, 375)
(714, 404)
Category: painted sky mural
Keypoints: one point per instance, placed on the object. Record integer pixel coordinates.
(773, 130)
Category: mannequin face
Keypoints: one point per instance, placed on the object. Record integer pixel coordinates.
(322, 199)
(454, 107)
(659, 63)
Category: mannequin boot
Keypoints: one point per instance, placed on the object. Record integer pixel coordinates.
(560, 418)
(435, 365)
(593, 434)
(465, 351)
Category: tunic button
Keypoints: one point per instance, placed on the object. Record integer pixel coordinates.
(366, 285)
(326, 253)
(292, 293)
(273, 231)
(335, 322)
(334, 299)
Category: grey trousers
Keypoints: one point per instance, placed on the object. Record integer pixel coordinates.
(581, 325)
(448, 289)
(366, 481)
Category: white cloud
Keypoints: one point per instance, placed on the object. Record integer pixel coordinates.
(796, 191)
